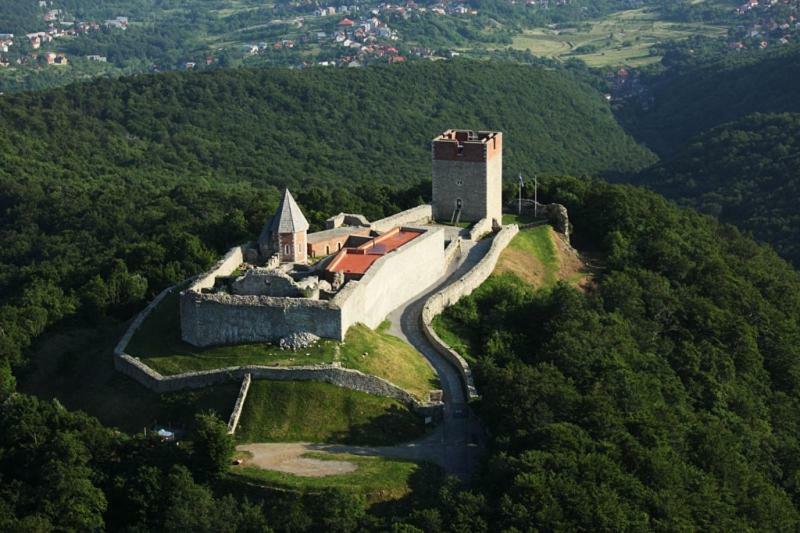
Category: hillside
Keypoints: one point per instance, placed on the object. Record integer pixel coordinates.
(111, 190)
(687, 101)
(664, 398)
(745, 173)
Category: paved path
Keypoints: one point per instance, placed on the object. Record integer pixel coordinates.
(456, 443)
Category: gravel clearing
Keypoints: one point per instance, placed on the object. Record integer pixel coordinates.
(287, 457)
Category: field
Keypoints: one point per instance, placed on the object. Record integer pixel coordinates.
(622, 38)
(158, 343)
(292, 411)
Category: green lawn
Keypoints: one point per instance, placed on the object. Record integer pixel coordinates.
(292, 411)
(384, 355)
(379, 478)
(157, 343)
(538, 242)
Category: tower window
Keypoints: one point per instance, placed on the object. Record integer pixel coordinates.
(286, 249)
(459, 182)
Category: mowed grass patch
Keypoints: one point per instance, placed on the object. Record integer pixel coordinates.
(306, 411)
(381, 354)
(158, 344)
(379, 478)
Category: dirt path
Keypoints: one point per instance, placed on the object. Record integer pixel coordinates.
(288, 457)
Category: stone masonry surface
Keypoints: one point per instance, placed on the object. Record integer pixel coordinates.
(233, 421)
(422, 214)
(332, 373)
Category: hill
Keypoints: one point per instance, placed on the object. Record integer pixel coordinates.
(684, 102)
(114, 189)
(745, 173)
(662, 398)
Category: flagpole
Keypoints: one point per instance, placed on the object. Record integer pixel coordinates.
(519, 186)
(535, 196)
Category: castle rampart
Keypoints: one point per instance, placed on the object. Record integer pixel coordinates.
(457, 290)
(221, 318)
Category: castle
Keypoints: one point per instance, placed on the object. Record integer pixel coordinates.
(355, 271)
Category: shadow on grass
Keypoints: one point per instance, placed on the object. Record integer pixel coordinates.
(395, 425)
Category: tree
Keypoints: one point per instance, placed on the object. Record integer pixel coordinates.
(213, 446)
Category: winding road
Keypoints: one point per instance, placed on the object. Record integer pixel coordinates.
(457, 441)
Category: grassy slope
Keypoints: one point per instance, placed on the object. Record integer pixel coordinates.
(158, 343)
(532, 259)
(381, 354)
(318, 412)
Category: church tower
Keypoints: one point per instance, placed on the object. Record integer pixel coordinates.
(468, 176)
(285, 233)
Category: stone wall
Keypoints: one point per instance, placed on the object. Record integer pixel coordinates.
(209, 319)
(334, 374)
(451, 294)
(422, 214)
(346, 219)
(394, 279)
(555, 214)
(481, 228)
(223, 267)
(233, 421)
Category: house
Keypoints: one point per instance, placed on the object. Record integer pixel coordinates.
(99, 59)
(120, 23)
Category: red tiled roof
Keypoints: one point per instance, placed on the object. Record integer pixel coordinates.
(358, 260)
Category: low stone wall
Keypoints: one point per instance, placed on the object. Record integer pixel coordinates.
(480, 228)
(451, 294)
(422, 214)
(233, 421)
(452, 251)
(223, 267)
(334, 374)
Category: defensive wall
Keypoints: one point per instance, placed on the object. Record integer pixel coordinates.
(392, 280)
(333, 373)
(221, 318)
(236, 414)
(420, 215)
(453, 292)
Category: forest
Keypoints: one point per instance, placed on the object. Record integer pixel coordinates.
(746, 173)
(694, 96)
(663, 398)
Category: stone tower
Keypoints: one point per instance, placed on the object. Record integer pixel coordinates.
(285, 232)
(468, 176)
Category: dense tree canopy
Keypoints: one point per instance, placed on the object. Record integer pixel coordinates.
(663, 398)
(692, 98)
(746, 173)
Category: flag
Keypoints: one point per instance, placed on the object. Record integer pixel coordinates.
(521, 181)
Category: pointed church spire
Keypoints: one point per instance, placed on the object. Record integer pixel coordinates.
(288, 218)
